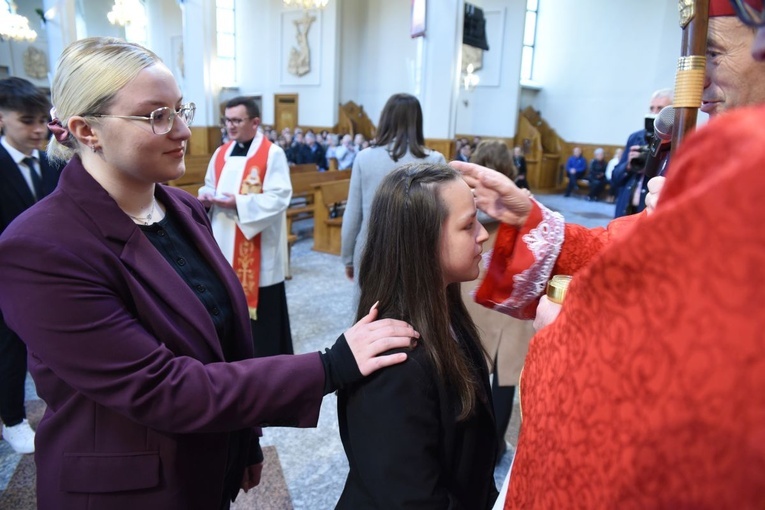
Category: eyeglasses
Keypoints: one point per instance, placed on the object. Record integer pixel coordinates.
(750, 12)
(161, 119)
(235, 122)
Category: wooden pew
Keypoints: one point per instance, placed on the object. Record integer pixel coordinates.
(302, 181)
(302, 187)
(327, 230)
(305, 167)
(303, 201)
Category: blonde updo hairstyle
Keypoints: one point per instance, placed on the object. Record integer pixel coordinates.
(89, 74)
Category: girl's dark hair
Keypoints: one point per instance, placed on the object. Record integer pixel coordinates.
(495, 154)
(401, 125)
(400, 268)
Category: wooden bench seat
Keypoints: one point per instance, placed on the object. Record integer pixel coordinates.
(329, 196)
(303, 201)
(305, 167)
(303, 186)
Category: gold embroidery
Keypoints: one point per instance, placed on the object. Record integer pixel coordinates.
(244, 269)
(252, 184)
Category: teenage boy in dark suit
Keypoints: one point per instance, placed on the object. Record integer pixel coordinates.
(25, 178)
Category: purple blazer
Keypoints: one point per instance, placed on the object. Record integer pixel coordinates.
(140, 403)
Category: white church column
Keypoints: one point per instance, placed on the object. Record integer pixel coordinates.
(439, 67)
(199, 48)
(60, 28)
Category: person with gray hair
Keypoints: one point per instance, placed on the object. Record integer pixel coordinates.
(136, 325)
(630, 183)
(597, 175)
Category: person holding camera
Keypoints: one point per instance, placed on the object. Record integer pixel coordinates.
(631, 187)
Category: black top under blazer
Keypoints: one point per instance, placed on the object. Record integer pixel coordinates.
(404, 444)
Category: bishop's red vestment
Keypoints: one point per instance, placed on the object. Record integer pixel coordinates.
(648, 391)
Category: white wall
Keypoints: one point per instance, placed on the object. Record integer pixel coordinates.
(491, 109)
(378, 56)
(161, 34)
(598, 63)
(263, 60)
(93, 13)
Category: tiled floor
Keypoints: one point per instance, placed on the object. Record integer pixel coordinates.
(311, 460)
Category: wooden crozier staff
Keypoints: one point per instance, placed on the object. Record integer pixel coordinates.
(689, 81)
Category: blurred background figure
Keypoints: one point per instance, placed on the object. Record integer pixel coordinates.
(505, 339)
(399, 140)
(520, 165)
(627, 179)
(576, 167)
(610, 172)
(597, 175)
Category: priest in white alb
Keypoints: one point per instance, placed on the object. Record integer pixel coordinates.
(247, 190)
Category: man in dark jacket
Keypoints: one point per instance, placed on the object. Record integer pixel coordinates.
(25, 178)
(631, 187)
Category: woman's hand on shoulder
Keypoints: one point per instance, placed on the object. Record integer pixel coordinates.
(369, 338)
(495, 194)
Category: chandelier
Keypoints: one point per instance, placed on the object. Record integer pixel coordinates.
(125, 12)
(14, 26)
(306, 4)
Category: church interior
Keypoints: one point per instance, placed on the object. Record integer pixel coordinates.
(553, 75)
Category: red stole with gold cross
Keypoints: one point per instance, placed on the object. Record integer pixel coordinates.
(246, 256)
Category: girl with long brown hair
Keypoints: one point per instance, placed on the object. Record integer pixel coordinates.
(421, 435)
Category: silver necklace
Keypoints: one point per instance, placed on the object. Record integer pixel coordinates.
(146, 219)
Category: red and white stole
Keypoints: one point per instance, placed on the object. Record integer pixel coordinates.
(246, 254)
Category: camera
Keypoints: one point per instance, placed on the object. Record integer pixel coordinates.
(637, 164)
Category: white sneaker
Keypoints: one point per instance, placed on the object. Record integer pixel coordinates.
(21, 437)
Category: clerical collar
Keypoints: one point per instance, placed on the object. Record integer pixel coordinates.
(241, 148)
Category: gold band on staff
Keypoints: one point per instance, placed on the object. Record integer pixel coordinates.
(689, 81)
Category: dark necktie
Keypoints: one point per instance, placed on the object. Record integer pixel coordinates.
(36, 179)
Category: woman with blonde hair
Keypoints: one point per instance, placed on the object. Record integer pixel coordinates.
(136, 326)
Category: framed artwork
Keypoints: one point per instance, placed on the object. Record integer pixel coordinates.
(419, 8)
(300, 49)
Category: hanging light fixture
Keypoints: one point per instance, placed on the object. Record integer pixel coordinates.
(15, 27)
(125, 12)
(306, 4)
